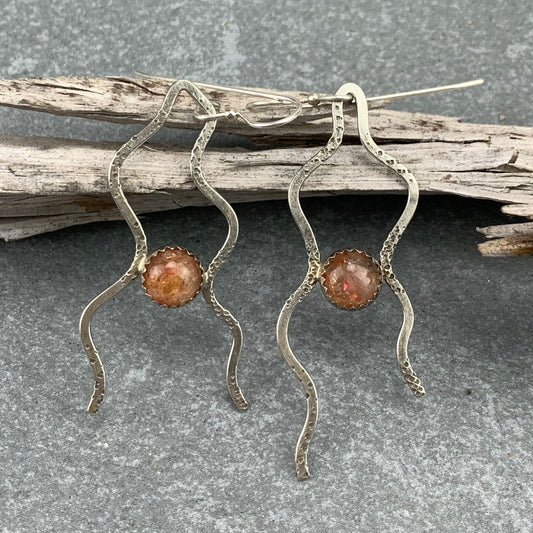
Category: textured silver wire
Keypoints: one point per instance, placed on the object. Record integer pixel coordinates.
(312, 276)
(211, 271)
(389, 246)
(315, 266)
(140, 256)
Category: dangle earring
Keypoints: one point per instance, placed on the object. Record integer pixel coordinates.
(350, 279)
(173, 276)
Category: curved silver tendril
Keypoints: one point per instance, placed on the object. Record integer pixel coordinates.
(209, 275)
(127, 212)
(304, 289)
(394, 236)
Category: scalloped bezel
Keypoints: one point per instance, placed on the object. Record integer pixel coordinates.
(163, 250)
(324, 289)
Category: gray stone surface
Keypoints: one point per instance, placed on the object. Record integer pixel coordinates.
(168, 452)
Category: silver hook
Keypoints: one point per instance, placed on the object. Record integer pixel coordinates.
(276, 99)
(315, 100)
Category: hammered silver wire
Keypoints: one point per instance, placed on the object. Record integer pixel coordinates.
(312, 276)
(315, 266)
(389, 246)
(140, 256)
(226, 249)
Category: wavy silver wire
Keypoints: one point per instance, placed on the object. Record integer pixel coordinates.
(312, 276)
(231, 239)
(140, 256)
(315, 267)
(389, 246)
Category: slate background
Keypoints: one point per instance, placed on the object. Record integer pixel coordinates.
(168, 452)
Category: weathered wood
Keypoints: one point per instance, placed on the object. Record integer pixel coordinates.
(522, 245)
(50, 183)
(42, 178)
(519, 210)
(125, 99)
(507, 230)
(135, 100)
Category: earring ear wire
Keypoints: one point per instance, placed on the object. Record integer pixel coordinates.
(317, 99)
(274, 98)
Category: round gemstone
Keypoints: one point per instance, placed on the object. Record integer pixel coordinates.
(351, 279)
(172, 277)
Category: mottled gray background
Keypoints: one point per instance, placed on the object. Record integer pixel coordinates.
(168, 452)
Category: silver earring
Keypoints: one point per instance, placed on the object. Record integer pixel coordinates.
(173, 276)
(350, 279)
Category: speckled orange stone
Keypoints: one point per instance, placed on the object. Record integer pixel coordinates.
(172, 277)
(351, 279)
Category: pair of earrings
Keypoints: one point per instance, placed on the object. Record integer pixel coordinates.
(173, 276)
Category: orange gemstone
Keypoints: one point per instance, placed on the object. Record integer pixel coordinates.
(351, 279)
(172, 277)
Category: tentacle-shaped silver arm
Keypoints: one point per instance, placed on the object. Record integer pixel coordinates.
(231, 239)
(304, 289)
(139, 259)
(394, 236)
(302, 447)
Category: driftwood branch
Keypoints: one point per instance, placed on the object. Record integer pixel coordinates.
(48, 183)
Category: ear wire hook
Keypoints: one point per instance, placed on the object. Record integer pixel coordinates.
(316, 99)
(232, 114)
(276, 99)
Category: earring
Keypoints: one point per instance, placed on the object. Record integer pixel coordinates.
(173, 276)
(350, 279)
